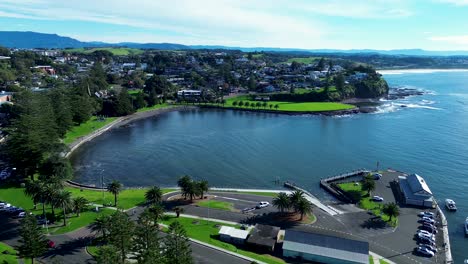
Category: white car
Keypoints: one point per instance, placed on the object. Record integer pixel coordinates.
(424, 232)
(426, 252)
(262, 204)
(426, 214)
(422, 235)
(377, 198)
(428, 220)
(430, 247)
(377, 176)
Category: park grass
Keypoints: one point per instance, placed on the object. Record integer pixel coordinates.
(371, 260)
(74, 222)
(207, 231)
(114, 51)
(154, 107)
(220, 205)
(127, 199)
(86, 128)
(307, 60)
(367, 203)
(292, 106)
(9, 258)
(134, 91)
(383, 261)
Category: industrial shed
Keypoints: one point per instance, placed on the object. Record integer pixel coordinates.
(324, 249)
(232, 235)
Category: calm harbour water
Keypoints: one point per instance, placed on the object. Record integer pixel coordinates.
(238, 149)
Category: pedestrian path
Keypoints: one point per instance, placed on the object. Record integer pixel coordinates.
(204, 218)
(377, 258)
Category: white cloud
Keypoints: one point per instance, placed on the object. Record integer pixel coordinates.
(456, 40)
(279, 23)
(455, 2)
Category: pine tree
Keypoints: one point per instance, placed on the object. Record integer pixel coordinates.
(62, 110)
(107, 255)
(124, 104)
(120, 233)
(147, 243)
(32, 241)
(177, 247)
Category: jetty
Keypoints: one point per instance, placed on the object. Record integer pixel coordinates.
(337, 192)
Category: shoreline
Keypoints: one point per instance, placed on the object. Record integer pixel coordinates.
(419, 70)
(122, 121)
(354, 110)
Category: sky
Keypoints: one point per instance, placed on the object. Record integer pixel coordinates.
(305, 24)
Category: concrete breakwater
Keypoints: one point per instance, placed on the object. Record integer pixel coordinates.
(328, 185)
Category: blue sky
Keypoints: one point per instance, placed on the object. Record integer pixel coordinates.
(309, 24)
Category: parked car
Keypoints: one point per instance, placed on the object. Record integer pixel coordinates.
(426, 241)
(427, 220)
(427, 214)
(429, 228)
(262, 204)
(50, 244)
(377, 198)
(430, 247)
(425, 252)
(428, 236)
(5, 207)
(377, 176)
(424, 232)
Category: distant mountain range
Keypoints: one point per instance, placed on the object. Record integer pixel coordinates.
(30, 40)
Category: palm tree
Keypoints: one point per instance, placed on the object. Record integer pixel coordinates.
(391, 209)
(264, 104)
(247, 104)
(276, 106)
(34, 189)
(184, 184)
(295, 197)
(258, 104)
(156, 211)
(178, 211)
(271, 106)
(79, 203)
(101, 224)
(368, 185)
(303, 207)
(114, 187)
(203, 187)
(153, 195)
(63, 198)
(282, 202)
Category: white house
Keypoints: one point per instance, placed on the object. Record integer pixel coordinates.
(416, 191)
(233, 235)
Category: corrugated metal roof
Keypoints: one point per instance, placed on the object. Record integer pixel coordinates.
(233, 232)
(328, 246)
(418, 184)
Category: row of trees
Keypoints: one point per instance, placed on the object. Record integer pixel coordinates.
(295, 201)
(191, 188)
(256, 105)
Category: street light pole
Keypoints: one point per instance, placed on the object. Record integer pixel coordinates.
(102, 186)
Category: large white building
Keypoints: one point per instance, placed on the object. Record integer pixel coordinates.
(416, 191)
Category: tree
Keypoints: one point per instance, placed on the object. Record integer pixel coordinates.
(184, 184)
(234, 103)
(101, 225)
(57, 166)
(368, 185)
(139, 101)
(252, 84)
(121, 229)
(34, 190)
(321, 64)
(339, 82)
(107, 255)
(391, 209)
(264, 104)
(303, 206)
(241, 104)
(115, 187)
(203, 187)
(282, 202)
(178, 211)
(32, 242)
(78, 204)
(276, 106)
(153, 195)
(63, 198)
(247, 104)
(156, 211)
(124, 104)
(295, 197)
(82, 108)
(147, 243)
(62, 110)
(177, 247)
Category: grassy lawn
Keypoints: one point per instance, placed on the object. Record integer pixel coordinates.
(9, 258)
(367, 203)
(216, 205)
(307, 60)
(74, 222)
(296, 107)
(158, 106)
(206, 231)
(383, 261)
(86, 128)
(134, 91)
(93, 250)
(371, 260)
(266, 194)
(114, 51)
(128, 198)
